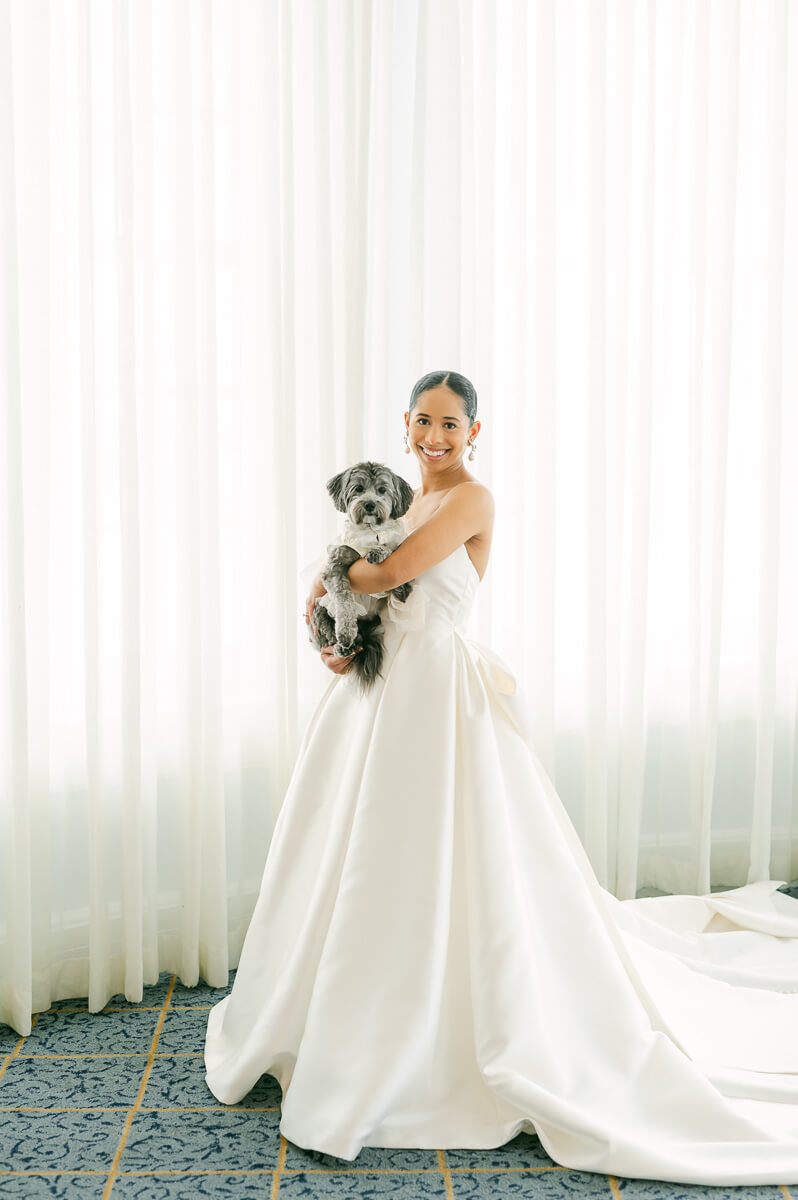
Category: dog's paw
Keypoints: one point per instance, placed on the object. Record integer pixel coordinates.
(343, 650)
(342, 556)
(378, 554)
(402, 591)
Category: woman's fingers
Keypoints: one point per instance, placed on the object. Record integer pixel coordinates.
(339, 665)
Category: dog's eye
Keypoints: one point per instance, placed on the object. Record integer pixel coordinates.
(381, 491)
(357, 489)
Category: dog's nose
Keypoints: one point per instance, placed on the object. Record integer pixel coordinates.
(369, 506)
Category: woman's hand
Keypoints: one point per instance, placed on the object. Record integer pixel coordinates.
(339, 665)
(328, 655)
(317, 589)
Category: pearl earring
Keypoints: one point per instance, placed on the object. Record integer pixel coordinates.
(407, 446)
(473, 446)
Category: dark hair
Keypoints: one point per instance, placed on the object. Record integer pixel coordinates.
(458, 383)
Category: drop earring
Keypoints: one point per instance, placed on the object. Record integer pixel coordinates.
(407, 445)
(473, 446)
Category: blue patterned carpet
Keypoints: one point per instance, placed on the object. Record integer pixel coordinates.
(115, 1104)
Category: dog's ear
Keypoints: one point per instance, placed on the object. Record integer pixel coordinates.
(403, 498)
(335, 487)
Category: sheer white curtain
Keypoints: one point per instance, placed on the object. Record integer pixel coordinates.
(233, 236)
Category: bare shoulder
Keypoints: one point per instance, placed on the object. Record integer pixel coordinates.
(467, 487)
(476, 499)
(476, 495)
(469, 498)
(463, 514)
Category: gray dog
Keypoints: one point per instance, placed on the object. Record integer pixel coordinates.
(373, 498)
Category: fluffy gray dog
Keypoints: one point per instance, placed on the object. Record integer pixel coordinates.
(373, 498)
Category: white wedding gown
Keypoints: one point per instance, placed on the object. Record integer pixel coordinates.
(432, 962)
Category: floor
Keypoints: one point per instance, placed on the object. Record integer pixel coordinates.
(115, 1104)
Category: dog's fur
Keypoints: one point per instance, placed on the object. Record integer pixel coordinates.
(374, 498)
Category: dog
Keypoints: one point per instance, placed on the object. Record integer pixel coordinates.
(374, 498)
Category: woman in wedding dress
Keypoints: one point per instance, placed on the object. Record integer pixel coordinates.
(432, 962)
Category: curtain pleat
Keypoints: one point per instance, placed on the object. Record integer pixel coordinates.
(772, 61)
(16, 944)
(232, 237)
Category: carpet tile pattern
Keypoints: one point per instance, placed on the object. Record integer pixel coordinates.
(114, 1104)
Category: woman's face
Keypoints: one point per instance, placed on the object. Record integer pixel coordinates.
(439, 423)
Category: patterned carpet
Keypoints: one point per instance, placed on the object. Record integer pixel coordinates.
(115, 1104)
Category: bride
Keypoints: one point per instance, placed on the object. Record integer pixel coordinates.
(432, 962)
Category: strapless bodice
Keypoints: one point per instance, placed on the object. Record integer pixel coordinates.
(443, 593)
(440, 604)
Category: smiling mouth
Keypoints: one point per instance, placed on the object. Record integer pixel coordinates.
(433, 457)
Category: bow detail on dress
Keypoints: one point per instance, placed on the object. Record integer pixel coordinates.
(498, 681)
(494, 670)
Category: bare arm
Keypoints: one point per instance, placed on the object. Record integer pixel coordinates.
(369, 577)
(465, 510)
